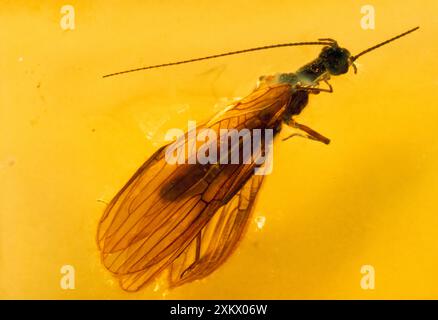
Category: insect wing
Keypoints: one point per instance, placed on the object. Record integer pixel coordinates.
(163, 207)
(218, 239)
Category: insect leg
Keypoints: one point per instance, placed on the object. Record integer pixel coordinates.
(198, 240)
(329, 85)
(316, 90)
(309, 133)
(198, 246)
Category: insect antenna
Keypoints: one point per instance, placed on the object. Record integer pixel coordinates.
(292, 44)
(353, 58)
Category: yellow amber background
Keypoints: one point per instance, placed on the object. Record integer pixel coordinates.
(70, 138)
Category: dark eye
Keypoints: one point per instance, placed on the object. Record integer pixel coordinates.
(335, 60)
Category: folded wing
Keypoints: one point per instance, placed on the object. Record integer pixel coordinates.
(155, 218)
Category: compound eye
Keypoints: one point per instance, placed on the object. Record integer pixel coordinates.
(339, 67)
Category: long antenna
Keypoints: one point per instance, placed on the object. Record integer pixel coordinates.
(221, 55)
(353, 58)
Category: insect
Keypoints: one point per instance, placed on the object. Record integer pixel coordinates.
(187, 219)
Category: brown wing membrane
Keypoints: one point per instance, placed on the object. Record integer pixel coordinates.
(163, 207)
(219, 238)
(136, 280)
